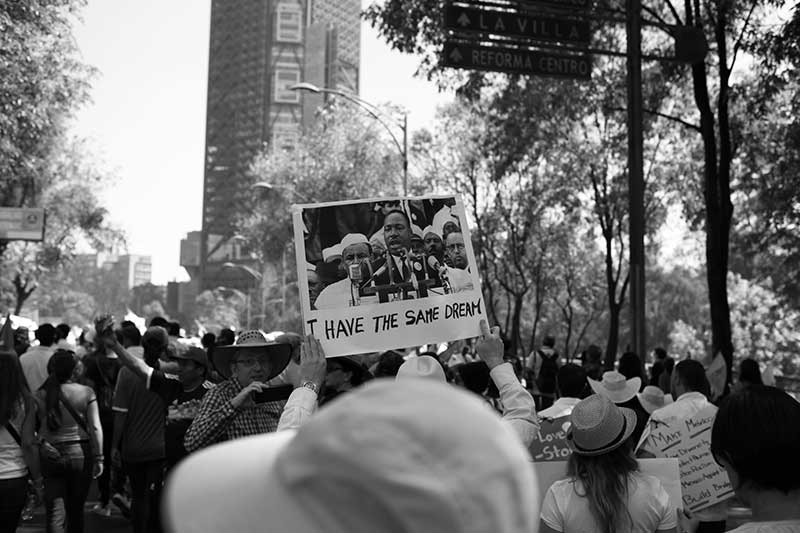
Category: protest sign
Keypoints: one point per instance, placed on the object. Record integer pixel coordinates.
(550, 443)
(386, 273)
(666, 470)
(704, 482)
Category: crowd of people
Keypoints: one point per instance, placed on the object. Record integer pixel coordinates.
(262, 432)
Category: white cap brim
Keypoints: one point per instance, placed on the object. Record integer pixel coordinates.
(617, 396)
(234, 487)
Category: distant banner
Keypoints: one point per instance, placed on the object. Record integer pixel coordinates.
(550, 443)
(704, 482)
(388, 273)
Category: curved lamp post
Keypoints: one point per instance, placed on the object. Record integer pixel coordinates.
(375, 113)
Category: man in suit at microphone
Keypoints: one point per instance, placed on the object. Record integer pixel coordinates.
(356, 250)
(404, 266)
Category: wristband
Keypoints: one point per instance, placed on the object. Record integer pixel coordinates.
(310, 385)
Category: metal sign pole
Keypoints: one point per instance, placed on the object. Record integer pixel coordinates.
(636, 176)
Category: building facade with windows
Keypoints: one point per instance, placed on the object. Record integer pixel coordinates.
(258, 50)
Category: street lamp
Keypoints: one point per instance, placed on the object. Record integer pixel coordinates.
(263, 185)
(375, 113)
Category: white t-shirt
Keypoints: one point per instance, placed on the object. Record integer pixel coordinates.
(783, 526)
(565, 509)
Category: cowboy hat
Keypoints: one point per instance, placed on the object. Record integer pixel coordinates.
(615, 387)
(653, 398)
(598, 426)
(255, 343)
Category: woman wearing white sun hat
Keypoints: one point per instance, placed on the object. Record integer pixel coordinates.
(622, 392)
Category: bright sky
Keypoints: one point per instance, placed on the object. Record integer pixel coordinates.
(147, 119)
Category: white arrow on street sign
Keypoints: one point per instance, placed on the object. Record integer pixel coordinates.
(463, 19)
(456, 56)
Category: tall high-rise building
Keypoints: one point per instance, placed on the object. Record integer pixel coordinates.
(259, 49)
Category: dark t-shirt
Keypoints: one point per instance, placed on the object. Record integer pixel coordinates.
(103, 371)
(182, 408)
(642, 417)
(143, 435)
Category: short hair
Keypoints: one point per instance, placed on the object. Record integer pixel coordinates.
(388, 364)
(131, 334)
(757, 431)
(46, 334)
(661, 353)
(173, 328)
(692, 376)
(571, 381)
(400, 212)
(630, 365)
(158, 321)
(749, 372)
(208, 340)
(226, 337)
(63, 331)
(549, 341)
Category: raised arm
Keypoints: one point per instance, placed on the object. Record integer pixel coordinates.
(303, 401)
(104, 326)
(519, 409)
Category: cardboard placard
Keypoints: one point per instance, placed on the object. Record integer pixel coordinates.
(704, 482)
(666, 470)
(550, 443)
(399, 293)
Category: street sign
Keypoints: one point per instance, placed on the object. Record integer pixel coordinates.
(21, 224)
(515, 24)
(516, 61)
(566, 5)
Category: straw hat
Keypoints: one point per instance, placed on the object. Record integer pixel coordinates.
(653, 398)
(598, 426)
(256, 343)
(615, 387)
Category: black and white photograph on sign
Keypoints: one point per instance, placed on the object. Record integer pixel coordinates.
(367, 257)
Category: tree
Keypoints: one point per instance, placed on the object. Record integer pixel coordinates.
(220, 309)
(43, 82)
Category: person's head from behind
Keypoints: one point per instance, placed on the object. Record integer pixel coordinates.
(60, 368)
(756, 438)
(455, 250)
(46, 334)
(388, 364)
(62, 332)
(226, 337)
(660, 353)
(549, 341)
(749, 373)
(630, 365)
(173, 329)
(364, 464)
(129, 335)
(154, 344)
(159, 321)
(12, 385)
(689, 376)
(571, 381)
(602, 458)
(208, 340)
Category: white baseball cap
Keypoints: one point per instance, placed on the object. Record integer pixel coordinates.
(413, 455)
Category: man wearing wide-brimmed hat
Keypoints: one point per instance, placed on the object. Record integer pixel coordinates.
(229, 411)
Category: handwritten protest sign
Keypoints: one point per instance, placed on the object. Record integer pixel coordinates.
(550, 443)
(666, 470)
(704, 482)
(386, 273)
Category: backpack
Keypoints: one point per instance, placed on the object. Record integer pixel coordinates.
(546, 379)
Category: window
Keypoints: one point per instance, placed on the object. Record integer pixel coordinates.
(289, 24)
(285, 78)
(285, 137)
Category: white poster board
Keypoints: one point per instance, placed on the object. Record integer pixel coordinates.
(397, 291)
(704, 482)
